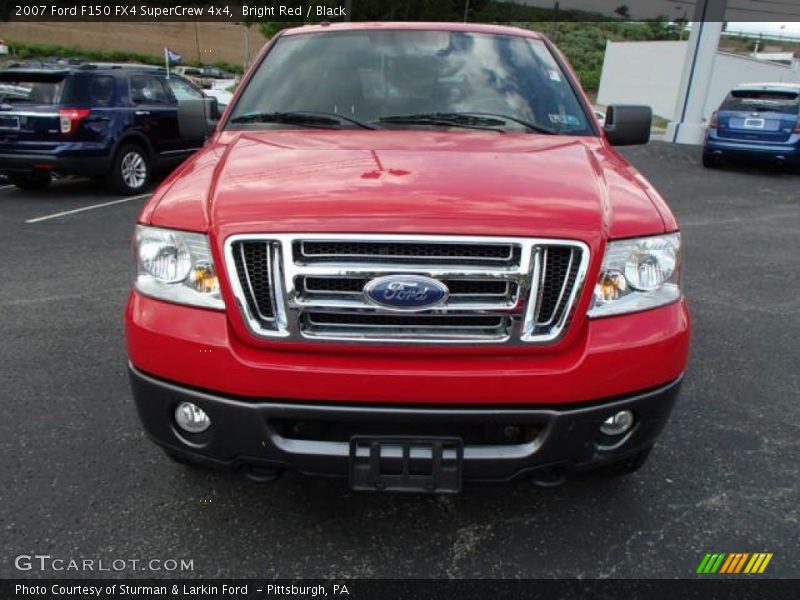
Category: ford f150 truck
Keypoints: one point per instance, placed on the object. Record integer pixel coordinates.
(409, 256)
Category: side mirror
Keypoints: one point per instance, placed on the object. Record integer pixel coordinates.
(192, 123)
(628, 125)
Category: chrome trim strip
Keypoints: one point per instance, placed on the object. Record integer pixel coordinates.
(28, 113)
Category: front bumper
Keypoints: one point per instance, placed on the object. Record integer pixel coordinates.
(253, 434)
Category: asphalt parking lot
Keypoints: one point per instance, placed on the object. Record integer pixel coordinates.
(81, 481)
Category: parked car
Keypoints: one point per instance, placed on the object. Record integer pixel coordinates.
(206, 77)
(116, 122)
(757, 122)
(409, 256)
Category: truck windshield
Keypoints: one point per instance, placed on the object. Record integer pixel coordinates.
(410, 79)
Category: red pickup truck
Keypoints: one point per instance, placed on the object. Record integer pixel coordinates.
(409, 256)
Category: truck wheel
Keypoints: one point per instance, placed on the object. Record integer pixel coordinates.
(130, 173)
(30, 181)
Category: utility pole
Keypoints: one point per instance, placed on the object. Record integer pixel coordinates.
(246, 45)
(197, 41)
(554, 29)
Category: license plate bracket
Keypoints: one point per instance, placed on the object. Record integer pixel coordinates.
(754, 123)
(430, 465)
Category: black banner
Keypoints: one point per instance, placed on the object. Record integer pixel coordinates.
(234, 11)
(741, 588)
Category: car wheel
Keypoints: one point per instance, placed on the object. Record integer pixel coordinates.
(30, 181)
(130, 173)
(709, 161)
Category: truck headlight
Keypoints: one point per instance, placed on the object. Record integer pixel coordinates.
(638, 274)
(176, 266)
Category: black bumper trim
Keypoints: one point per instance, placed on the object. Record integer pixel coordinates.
(241, 435)
(68, 165)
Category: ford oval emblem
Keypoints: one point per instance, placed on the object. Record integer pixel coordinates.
(406, 292)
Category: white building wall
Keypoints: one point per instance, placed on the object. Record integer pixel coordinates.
(650, 73)
(642, 73)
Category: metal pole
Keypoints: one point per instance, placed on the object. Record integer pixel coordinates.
(348, 8)
(197, 42)
(246, 46)
(466, 11)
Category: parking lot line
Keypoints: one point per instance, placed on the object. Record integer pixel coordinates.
(85, 208)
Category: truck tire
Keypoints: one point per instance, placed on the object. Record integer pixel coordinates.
(130, 171)
(30, 181)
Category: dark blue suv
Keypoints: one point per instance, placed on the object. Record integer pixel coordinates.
(114, 122)
(758, 122)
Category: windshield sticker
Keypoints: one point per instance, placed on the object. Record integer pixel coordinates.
(558, 119)
(554, 75)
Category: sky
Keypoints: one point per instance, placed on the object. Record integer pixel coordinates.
(745, 13)
(789, 28)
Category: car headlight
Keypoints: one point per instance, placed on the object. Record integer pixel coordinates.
(176, 266)
(638, 274)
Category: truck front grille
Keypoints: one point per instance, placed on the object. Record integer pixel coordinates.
(501, 290)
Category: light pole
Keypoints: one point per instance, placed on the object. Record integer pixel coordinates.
(197, 41)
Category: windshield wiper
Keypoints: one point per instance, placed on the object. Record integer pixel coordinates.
(465, 119)
(523, 122)
(322, 120)
(446, 120)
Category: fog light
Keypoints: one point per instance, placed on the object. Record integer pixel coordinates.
(191, 418)
(618, 423)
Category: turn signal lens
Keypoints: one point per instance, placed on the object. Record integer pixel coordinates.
(612, 285)
(203, 278)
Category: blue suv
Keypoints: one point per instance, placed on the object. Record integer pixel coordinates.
(113, 122)
(759, 122)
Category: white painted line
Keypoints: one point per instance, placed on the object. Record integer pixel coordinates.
(6, 187)
(85, 208)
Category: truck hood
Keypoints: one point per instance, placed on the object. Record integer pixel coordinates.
(469, 183)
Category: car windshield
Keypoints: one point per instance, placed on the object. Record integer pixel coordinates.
(404, 79)
(762, 100)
